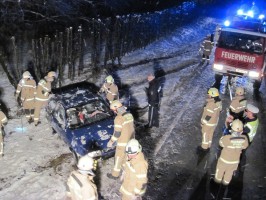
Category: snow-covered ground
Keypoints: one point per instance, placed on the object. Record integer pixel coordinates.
(37, 163)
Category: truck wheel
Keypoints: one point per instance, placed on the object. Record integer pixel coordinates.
(256, 85)
(218, 78)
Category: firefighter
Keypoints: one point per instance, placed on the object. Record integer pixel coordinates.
(3, 122)
(110, 89)
(80, 184)
(123, 131)
(153, 93)
(232, 147)
(206, 47)
(27, 89)
(250, 121)
(238, 104)
(42, 96)
(210, 118)
(134, 178)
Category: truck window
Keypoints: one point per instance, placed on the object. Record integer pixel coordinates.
(241, 42)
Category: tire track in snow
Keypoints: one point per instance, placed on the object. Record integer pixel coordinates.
(176, 120)
(197, 70)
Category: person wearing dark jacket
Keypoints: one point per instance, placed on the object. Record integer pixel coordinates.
(153, 94)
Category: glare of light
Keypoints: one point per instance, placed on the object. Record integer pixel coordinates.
(227, 23)
(250, 13)
(254, 74)
(21, 129)
(218, 66)
(261, 16)
(240, 12)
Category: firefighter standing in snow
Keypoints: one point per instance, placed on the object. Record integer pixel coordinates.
(232, 147)
(123, 131)
(210, 117)
(206, 47)
(27, 89)
(80, 184)
(42, 96)
(134, 174)
(238, 104)
(153, 93)
(3, 121)
(110, 89)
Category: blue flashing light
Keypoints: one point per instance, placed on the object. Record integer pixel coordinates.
(261, 16)
(227, 23)
(240, 12)
(250, 13)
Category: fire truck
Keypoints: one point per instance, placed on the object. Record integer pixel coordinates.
(241, 49)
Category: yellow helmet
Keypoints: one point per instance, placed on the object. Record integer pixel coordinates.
(51, 74)
(133, 147)
(237, 126)
(26, 74)
(115, 104)
(213, 92)
(109, 79)
(240, 91)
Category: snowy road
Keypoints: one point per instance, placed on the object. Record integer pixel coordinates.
(37, 163)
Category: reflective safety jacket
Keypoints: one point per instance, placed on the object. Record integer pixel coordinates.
(232, 148)
(211, 112)
(81, 187)
(111, 91)
(124, 129)
(238, 105)
(250, 128)
(135, 176)
(27, 88)
(43, 90)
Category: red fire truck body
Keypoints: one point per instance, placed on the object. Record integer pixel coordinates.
(240, 53)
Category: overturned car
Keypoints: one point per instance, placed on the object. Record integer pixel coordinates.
(82, 119)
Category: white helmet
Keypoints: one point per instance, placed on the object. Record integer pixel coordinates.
(133, 147)
(26, 74)
(85, 164)
(237, 126)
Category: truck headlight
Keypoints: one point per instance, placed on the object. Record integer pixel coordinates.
(254, 74)
(218, 66)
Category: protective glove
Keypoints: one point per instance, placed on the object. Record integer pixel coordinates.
(110, 144)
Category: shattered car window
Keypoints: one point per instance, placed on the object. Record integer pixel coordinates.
(87, 114)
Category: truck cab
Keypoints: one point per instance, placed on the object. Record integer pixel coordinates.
(241, 50)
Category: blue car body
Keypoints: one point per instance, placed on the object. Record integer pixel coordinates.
(83, 134)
